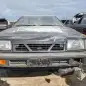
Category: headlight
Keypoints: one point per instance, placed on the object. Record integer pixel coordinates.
(75, 44)
(5, 45)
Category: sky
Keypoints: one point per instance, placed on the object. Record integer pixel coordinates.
(63, 9)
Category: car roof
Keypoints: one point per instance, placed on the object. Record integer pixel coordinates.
(82, 13)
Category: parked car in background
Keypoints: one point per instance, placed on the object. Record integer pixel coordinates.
(42, 42)
(78, 23)
(4, 24)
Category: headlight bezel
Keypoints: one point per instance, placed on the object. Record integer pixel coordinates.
(75, 39)
(5, 45)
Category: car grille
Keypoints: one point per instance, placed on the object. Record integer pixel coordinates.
(37, 47)
(58, 47)
(21, 47)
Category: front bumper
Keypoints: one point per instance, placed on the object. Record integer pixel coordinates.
(41, 59)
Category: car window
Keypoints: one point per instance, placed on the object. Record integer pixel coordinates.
(23, 23)
(38, 21)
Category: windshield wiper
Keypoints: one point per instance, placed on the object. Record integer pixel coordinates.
(48, 25)
(25, 25)
(36, 25)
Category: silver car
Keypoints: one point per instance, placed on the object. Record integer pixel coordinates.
(42, 42)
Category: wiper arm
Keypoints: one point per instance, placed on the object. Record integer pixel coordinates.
(25, 25)
(48, 25)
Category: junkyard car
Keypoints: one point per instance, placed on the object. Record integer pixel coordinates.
(4, 24)
(78, 23)
(41, 42)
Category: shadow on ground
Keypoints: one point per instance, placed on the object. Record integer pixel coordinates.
(70, 80)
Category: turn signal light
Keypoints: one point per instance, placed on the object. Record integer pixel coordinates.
(2, 62)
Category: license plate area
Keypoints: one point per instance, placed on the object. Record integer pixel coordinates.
(19, 63)
(46, 62)
(38, 62)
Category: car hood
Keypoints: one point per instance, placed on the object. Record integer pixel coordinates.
(40, 33)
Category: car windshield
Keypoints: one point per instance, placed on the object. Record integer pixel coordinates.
(38, 21)
(35, 22)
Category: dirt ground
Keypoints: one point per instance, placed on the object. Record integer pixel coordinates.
(37, 81)
(42, 79)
